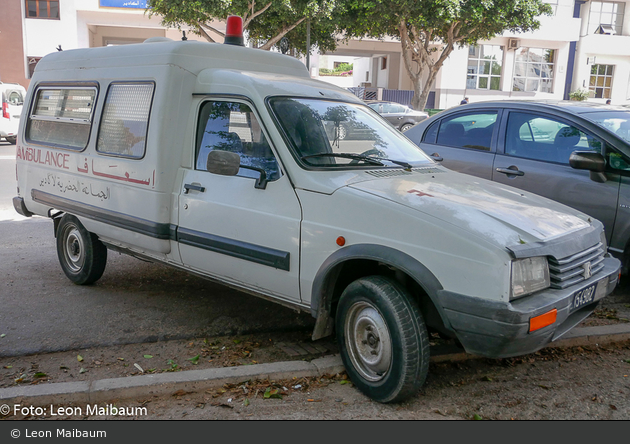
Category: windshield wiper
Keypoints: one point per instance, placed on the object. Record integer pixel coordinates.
(367, 159)
(402, 163)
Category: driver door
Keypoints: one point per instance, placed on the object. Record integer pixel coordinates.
(228, 228)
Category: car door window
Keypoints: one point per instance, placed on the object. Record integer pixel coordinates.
(232, 126)
(467, 131)
(532, 136)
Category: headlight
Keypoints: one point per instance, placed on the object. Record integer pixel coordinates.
(602, 239)
(529, 275)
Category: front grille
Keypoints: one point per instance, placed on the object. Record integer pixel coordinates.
(570, 270)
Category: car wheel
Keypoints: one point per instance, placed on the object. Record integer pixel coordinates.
(382, 338)
(12, 140)
(342, 132)
(405, 127)
(81, 254)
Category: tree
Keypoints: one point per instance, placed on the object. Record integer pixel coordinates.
(429, 29)
(266, 22)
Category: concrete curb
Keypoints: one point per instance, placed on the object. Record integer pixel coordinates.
(106, 390)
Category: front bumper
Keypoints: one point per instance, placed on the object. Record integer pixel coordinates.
(501, 330)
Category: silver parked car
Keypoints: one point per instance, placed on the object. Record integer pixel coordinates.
(399, 116)
(576, 153)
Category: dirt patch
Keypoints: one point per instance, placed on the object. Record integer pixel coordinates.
(160, 357)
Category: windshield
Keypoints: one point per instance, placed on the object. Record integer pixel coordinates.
(616, 121)
(326, 133)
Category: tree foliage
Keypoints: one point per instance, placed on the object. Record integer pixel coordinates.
(429, 30)
(266, 22)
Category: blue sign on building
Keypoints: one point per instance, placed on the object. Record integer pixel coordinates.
(136, 4)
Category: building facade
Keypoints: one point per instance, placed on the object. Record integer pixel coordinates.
(584, 46)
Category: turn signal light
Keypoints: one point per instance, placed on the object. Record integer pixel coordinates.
(538, 322)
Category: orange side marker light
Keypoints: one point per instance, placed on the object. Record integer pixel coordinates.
(543, 320)
(341, 241)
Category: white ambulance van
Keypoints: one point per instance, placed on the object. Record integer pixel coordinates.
(226, 161)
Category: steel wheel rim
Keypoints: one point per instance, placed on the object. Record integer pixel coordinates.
(73, 249)
(342, 132)
(368, 341)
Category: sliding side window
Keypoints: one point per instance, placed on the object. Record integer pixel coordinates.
(125, 121)
(62, 117)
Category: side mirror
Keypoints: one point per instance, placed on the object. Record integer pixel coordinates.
(227, 163)
(590, 161)
(224, 163)
(587, 160)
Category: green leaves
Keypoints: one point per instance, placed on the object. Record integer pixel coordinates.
(194, 360)
(272, 392)
(148, 356)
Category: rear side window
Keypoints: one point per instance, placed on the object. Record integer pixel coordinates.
(468, 131)
(125, 120)
(62, 117)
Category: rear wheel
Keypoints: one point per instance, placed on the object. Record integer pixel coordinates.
(11, 140)
(382, 338)
(81, 254)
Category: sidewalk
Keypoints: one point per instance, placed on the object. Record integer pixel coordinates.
(107, 390)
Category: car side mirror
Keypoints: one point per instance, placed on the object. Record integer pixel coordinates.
(587, 160)
(224, 163)
(590, 161)
(227, 163)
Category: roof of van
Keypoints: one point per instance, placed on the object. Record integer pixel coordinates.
(192, 56)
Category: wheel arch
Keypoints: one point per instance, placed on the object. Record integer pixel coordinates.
(355, 261)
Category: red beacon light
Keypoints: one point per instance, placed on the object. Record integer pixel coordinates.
(234, 31)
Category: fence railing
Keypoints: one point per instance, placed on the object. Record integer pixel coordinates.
(390, 95)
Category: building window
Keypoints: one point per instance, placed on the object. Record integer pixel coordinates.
(600, 82)
(533, 70)
(485, 64)
(32, 63)
(608, 14)
(383, 62)
(48, 9)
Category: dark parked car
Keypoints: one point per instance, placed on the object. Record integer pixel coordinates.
(400, 116)
(576, 153)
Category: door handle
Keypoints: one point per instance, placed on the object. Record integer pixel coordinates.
(190, 186)
(436, 157)
(511, 171)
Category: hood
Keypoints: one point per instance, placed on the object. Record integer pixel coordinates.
(502, 213)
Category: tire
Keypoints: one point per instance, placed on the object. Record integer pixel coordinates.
(81, 254)
(405, 127)
(342, 132)
(11, 140)
(382, 338)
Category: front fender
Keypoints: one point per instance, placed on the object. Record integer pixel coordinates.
(324, 282)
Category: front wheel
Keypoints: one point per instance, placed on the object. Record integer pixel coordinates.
(382, 338)
(405, 127)
(81, 254)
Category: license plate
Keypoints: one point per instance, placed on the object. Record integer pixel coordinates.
(584, 297)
